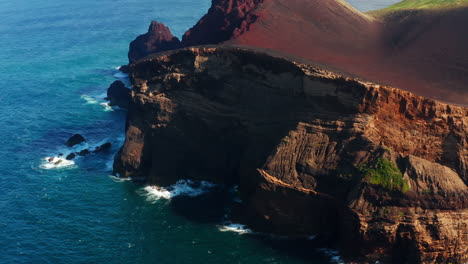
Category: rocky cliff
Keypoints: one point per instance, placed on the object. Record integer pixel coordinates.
(380, 170)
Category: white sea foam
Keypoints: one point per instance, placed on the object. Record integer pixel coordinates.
(99, 99)
(181, 188)
(332, 254)
(107, 107)
(89, 99)
(237, 228)
(56, 163)
(120, 75)
(118, 179)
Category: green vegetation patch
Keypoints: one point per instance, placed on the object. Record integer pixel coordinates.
(385, 174)
(426, 4)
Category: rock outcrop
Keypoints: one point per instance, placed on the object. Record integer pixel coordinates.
(75, 140)
(84, 152)
(158, 38)
(226, 19)
(118, 94)
(380, 170)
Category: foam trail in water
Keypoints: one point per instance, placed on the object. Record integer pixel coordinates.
(333, 255)
(107, 107)
(237, 228)
(55, 163)
(120, 75)
(181, 188)
(89, 99)
(100, 99)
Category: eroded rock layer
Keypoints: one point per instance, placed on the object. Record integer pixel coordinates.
(379, 169)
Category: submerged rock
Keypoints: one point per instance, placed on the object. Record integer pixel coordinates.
(70, 156)
(118, 94)
(75, 140)
(83, 152)
(124, 69)
(103, 147)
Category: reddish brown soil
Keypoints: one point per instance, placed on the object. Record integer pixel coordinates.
(423, 52)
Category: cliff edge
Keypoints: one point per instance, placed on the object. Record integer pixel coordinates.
(380, 170)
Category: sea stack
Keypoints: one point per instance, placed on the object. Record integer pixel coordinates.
(158, 38)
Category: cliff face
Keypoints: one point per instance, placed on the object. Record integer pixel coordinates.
(380, 170)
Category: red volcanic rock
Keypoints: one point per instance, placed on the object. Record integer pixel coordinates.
(158, 38)
(225, 19)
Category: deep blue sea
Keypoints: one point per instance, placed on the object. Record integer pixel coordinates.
(57, 58)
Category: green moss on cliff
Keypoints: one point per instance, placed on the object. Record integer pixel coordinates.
(385, 174)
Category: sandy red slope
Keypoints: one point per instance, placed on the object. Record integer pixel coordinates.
(424, 52)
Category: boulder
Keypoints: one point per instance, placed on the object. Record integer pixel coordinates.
(158, 38)
(84, 152)
(103, 147)
(118, 94)
(75, 140)
(70, 156)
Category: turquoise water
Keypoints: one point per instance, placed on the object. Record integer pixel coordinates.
(57, 59)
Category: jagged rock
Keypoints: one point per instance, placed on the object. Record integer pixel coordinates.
(295, 137)
(226, 19)
(75, 140)
(118, 94)
(158, 38)
(103, 147)
(124, 69)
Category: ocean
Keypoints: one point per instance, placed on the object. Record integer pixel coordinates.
(57, 59)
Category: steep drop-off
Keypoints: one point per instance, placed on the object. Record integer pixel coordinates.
(380, 170)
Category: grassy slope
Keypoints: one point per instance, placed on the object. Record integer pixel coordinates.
(421, 4)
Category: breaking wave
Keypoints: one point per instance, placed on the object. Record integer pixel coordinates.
(56, 162)
(237, 228)
(181, 188)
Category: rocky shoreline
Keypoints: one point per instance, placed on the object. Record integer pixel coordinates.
(295, 138)
(379, 171)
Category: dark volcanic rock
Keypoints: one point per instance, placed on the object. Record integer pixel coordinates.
(158, 38)
(83, 152)
(70, 156)
(124, 69)
(297, 139)
(103, 147)
(75, 140)
(118, 94)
